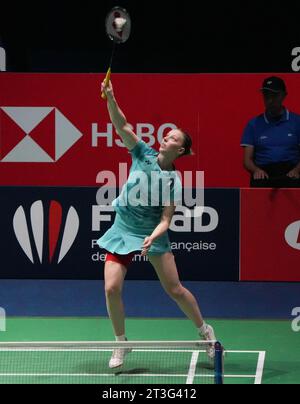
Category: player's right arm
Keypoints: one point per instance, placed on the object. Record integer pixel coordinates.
(118, 118)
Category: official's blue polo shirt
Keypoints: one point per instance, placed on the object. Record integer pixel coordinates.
(274, 141)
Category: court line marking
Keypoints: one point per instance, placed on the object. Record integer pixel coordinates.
(260, 367)
(113, 375)
(250, 352)
(192, 368)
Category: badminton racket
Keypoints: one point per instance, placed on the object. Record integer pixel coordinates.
(118, 28)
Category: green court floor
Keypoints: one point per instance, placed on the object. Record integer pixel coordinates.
(266, 352)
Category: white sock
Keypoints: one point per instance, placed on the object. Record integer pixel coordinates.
(121, 338)
(202, 329)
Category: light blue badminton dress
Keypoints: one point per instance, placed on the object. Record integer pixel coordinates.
(139, 206)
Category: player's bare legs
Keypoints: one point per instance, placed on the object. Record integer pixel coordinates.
(114, 275)
(166, 270)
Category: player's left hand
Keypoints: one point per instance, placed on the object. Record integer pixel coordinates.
(146, 245)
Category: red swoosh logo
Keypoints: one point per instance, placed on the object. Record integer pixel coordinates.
(55, 220)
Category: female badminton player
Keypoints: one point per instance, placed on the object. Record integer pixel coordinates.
(142, 227)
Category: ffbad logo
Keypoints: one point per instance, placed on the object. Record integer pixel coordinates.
(30, 230)
(292, 235)
(35, 134)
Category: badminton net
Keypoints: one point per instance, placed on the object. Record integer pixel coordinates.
(157, 362)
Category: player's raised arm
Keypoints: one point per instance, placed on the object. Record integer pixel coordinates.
(118, 118)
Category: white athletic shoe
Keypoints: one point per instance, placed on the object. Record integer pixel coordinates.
(118, 356)
(209, 335)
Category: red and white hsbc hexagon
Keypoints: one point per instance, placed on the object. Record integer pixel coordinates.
(270, 235)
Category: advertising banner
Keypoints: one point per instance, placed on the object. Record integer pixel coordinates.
(270, 235)
(52, 233)
(55, 129)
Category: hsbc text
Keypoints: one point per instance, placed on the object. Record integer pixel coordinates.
(144, 131)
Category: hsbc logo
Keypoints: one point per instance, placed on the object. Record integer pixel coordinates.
(292, 235)
(35, 134)
(45, 232)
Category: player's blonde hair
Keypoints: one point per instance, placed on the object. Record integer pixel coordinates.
(187, 143)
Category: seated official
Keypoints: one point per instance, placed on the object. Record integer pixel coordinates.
(271, 141)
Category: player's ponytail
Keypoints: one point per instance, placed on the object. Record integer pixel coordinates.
(187, 144)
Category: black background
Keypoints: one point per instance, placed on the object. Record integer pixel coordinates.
(167, 36)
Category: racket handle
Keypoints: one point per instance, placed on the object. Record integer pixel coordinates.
(106, 81)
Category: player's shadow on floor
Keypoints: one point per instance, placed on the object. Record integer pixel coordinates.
(276, 374)
(96, 367)
(135, 371)
(206, 366)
